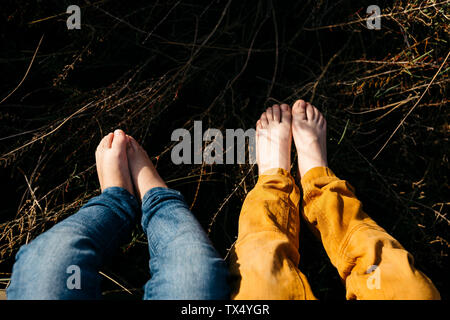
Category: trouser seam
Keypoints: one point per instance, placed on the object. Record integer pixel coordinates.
(300, 280)
(310, 201)
(343, 247)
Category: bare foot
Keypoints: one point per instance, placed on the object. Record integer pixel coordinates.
(309, 130)
(112, 163)
(274, 139)
(143, 173)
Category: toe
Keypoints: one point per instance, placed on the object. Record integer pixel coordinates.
(285, 114)
(129, 143)
(132, 142)
(317, 114)
(320, 119)
(299, 110)
(264, 120)
(120, 140)
(269, 114)
(276, 113)
(309, 112)
(258, 124)
(109, 140)
(322, 122)
(105, 142)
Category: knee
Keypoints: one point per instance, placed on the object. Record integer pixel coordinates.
(43, 267)
(51, 248)
(420, 288)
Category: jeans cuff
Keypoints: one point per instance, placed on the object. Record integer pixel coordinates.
(154, 198)
(123, 198)
(154, 194)
(121, 192)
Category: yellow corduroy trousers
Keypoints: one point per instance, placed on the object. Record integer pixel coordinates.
(264, 261)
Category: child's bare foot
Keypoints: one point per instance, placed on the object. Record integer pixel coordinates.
(274, 139)
(143, 173)
(112, 163)
(309, 130)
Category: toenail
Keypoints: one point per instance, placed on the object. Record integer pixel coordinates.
(118, 132)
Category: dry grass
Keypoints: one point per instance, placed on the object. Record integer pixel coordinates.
(149, 68)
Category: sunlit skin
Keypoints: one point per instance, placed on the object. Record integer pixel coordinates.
(309, 129)
(274, 139)
(122, 162)
(143, 173)
(112, 163)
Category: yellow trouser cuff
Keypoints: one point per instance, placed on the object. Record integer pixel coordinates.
(264, 261)
(311, 175)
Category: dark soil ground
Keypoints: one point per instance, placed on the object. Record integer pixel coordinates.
(150, 67)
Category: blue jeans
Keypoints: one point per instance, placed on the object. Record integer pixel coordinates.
(64, 262)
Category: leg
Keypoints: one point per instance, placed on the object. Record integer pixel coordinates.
(63, 262)
(372, 264)
(183, 262)
(265, 257)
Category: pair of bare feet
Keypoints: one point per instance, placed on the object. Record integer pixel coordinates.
(275, 130)
(122, 162)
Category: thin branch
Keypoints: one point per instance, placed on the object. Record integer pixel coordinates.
(26, 73)
(412, 109)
